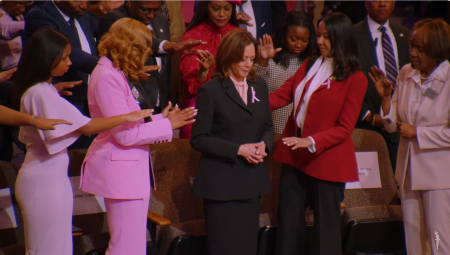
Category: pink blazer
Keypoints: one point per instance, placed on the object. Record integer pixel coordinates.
(117, 162)
(429, 153)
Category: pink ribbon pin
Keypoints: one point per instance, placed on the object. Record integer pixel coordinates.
(328, 82)
(253, 96)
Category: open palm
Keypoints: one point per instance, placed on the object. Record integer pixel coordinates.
(382, 84)
(266, 47)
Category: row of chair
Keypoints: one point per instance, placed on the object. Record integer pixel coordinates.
(371, 221)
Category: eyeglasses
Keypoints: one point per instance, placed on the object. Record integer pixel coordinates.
(22, 4)
(147, 11)
(415, 50)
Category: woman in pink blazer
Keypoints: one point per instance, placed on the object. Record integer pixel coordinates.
(117, 162)
(419, 110)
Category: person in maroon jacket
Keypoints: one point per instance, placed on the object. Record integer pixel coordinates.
(317, 149)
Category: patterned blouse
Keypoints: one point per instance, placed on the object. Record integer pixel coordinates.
(275, 76)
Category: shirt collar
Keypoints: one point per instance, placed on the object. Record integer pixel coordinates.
(67, 18)
(440, 73)
(373, 25)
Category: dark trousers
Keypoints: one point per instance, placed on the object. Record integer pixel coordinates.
(393, 151)
(297, 192)
(232, 226)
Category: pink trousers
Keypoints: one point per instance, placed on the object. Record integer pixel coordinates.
(127, 221)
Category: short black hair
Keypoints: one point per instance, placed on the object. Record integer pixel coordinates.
(201, 14)
(42, 51)
(294, 18)
(344, 47)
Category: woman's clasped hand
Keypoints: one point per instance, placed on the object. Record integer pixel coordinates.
(254, 153)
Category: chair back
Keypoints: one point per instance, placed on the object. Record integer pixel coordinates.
(175, 165)
(366, 140)
(11, 236)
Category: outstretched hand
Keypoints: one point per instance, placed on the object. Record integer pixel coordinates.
(185, 47)
(296, 142)
(266, 49)
(49, 124)
(382, 84)
(66, 85)
(179, 118)
(244, 18)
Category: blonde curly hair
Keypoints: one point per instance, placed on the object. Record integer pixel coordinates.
(128, 45)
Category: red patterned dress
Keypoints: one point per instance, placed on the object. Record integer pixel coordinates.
(209, 33)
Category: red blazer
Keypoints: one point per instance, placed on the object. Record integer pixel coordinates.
(331, 117)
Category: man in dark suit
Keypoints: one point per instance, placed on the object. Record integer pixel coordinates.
(157, 85)
(66, 16)
(372, 53)
(266, 16)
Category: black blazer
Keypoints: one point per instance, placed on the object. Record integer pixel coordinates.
(224, 123)
(368, 58)
(46, 15)
(156, 80)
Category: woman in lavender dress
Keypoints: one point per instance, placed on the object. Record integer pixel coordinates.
(43, 189)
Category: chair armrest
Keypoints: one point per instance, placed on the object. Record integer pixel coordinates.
(158, 219)
(76, 231)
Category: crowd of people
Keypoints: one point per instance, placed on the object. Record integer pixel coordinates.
(98, 75)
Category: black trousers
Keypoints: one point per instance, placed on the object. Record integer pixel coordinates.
(232, 226)
(297, 192)
(393, 151)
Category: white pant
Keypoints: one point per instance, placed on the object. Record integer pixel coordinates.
(426, 217)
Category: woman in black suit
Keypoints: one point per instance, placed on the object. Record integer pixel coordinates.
(234, 133)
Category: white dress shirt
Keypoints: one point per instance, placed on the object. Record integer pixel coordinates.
(377, 37)
(83, 40)
(248, 9)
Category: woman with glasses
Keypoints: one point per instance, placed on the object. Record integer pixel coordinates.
(211, 22)
(419, 109)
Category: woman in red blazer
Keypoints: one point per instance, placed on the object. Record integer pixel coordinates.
(317, 150)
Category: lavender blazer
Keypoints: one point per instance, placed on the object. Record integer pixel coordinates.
(429, 151)
(117, 162)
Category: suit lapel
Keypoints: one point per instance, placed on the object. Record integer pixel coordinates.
(367, 43)
(64, 25)
(436, 85)
(234, 95)
(401, 41)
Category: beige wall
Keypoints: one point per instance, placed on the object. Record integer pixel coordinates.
(318, 10)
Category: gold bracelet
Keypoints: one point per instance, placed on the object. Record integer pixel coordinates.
(205, 73)
(373, 120)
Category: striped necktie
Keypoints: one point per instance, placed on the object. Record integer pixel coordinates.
(390, 64)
